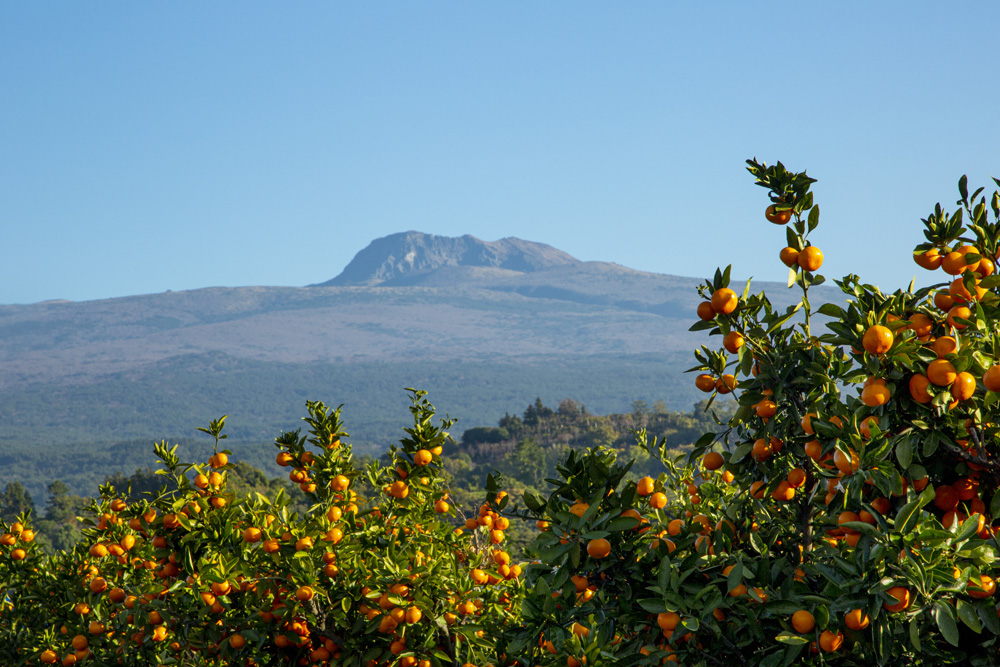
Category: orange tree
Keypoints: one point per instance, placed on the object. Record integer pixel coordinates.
(845, 513)
(200, 576)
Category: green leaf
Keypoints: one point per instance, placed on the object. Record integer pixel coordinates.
(831, 310)
(967, 613)
(904, 452)
(968, 529)
(915, 634)
(906, 518)
(814, 217)
(944, 616)
(988, 615)
(735, 576)
(621, 524)
(788, 638)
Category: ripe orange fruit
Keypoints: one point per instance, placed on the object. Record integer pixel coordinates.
(846, 463)
(725, 384)
(766, 409)
(958, 313)
(875, 395)
(803, 621)
(705, 311)
(955, 262)
(877, 340)
(762, 449)
(941, 372)
(865, 426)
(658, 500)
(724, 301)
(252, 534)
(902, 596)
(422, 457)
(757, 490)
(921, 325)
(963, 387)
(733, 341)
(991, 379)
(943, 301)
(218, 460)
(918, 388)
(807, 423)
(831, 641)
(945, 497)
(48, 657)
(796, 477)
(983, 588)
(985, 268)
(340, 483)
(789, 256)
(598, 548)
(712, 461)
(579, 509)
(856, 619)
(810, 258)
(645, 486)
(944, 346)
(929, 259)
(814, 450)
(705, 382)
(961, 294)
(668, 620)
(784, 491)
(304, 593)
(776, 216)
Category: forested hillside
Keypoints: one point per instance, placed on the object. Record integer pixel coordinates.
(524, 448)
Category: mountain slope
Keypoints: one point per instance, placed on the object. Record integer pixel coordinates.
(460, 322)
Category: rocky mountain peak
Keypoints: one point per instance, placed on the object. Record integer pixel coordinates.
(408, 255)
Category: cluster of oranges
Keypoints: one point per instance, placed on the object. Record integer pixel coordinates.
(809, 258)
(13, 544)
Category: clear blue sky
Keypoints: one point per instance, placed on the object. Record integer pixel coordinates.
(155, 146)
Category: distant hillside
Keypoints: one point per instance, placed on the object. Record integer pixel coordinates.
(482, 325)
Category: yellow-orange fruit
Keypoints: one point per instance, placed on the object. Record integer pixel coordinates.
(733, 341)
(777, 217)
(877, 339)
(941, 372)
(724, 301)
(810, 258)
(705, 382)
(902, 596)
(803, 621)
(789, 256)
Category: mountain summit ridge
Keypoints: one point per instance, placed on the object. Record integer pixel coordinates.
(406, 257)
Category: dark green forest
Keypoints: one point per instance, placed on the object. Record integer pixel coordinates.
(167, 400)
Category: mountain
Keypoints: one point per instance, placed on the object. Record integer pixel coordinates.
(485, 327)
(408, 257)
